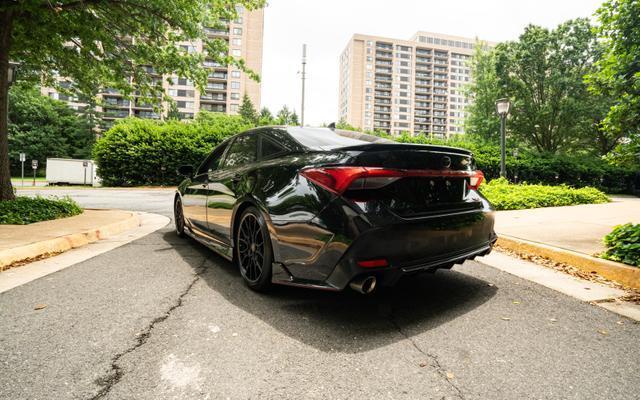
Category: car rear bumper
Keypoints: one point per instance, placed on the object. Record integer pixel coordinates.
(416, 247)
(407, 246)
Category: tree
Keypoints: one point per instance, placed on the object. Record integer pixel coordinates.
(284, 116)
(247, 110)
(542, 73)
(265, 117)
(293, 120)
(108, 43)
(43, 127)
(481, 120)
(173, 113)
(617, 72)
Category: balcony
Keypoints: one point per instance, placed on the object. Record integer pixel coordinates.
(387, 71)
(213, 107)
(384, 54)
(216, 86)
(216, 32)
(422, 120)
(421, 82)
(116, 102)
(383, 78)
(422, 112)
(218, 75)
(382, 101)
(382, 63)
(423, 97)
(109, 113)
(382, 117)
(213, 97)
(383, 94)
(422, 104)
(384, 46)
(423, 52)
(382, 109)
(424, 60)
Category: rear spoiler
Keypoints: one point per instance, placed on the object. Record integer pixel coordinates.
(405, 146)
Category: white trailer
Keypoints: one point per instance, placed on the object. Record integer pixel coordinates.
(71, 172)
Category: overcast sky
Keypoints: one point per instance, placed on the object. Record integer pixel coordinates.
(326, 26)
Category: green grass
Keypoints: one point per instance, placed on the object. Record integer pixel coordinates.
(623, 244)
(27, 210)
(506, 196)
(28, 178)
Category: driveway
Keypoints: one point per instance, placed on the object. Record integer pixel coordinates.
(163, 317)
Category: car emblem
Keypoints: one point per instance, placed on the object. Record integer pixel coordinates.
(446, 161)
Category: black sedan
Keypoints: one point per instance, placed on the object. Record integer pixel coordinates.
(326, 209)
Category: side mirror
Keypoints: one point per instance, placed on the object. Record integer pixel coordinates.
(185, 170)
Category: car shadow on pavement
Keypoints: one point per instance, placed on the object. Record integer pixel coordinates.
(346, 322)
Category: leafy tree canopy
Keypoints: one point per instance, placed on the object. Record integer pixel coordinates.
(120, 44)
(43, 127)
(542, 73)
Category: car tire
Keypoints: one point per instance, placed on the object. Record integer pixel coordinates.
(253, 252)
(178, 217)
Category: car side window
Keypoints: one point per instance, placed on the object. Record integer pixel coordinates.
(269, 148)
(214, 161)
(243, 151)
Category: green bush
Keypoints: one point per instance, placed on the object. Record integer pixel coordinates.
(134, 151)
(26, 210)
(506, 196)
(550, 169)
(623, 244)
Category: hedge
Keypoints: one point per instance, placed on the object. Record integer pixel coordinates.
(623, 244)
(135, 151)
(26, 210)
(507, 196)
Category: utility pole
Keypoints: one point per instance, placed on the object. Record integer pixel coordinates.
(304, 67)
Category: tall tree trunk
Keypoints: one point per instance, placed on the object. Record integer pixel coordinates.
(6, 190)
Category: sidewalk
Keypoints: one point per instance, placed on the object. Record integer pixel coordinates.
(576, 228)
(27, 242)
(571, 235)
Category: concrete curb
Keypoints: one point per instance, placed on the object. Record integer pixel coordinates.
(618, 272)
(67, 242)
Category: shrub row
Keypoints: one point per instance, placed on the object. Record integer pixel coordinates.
(623, 244)
(147, 152)
(26, 210)
(507, 196)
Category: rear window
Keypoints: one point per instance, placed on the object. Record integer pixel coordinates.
(327, 139)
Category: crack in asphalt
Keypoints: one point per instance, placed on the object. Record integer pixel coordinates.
(111, 379)
(435, 363)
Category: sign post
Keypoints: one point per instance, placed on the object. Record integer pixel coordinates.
(23, 158)
(34, 165)
(85, 164)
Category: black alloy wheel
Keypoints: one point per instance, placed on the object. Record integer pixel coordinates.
(178, 217)
(253, 254)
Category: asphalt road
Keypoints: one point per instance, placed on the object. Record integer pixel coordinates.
(164, 318)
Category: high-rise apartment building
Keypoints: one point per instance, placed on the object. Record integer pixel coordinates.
(413, 85)
(225, 87)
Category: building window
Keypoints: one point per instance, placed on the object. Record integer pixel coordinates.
(235, 74)
(236, 42)
(234, 107)
(235, 85)
(237, 31)
(235, 96)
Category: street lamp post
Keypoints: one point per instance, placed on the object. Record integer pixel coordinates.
(502, 108)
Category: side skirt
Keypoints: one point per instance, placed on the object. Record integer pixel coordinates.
(215, 245)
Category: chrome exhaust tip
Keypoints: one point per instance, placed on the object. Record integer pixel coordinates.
(364, 285)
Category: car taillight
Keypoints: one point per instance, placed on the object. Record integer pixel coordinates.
(339, 179)
(476, 179)
(375, 263)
